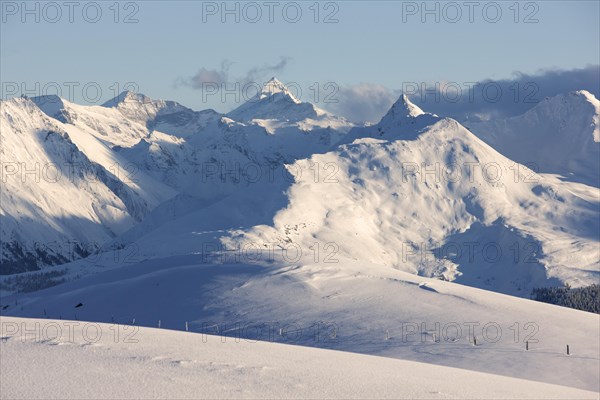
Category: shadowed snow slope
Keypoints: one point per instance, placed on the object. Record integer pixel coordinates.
(344, 305)
(57, 203)
(152, 363)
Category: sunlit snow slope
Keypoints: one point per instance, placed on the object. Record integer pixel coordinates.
(560, 135)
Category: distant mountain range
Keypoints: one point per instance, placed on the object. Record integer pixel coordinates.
(406, 192)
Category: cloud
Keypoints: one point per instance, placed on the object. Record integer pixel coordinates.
(466, 100)
(207, 76)
(460, 100)
(256, 74)
(362, 102)
(221, 77)
(502, 98)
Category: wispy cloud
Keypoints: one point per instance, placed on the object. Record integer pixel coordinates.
(221, 77)
(204, 76)
(257, 74)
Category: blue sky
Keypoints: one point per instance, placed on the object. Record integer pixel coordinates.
(380, 45)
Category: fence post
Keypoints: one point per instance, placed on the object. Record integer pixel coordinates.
(527, 345)
(159, 323)
(568, 352)
(186, 326)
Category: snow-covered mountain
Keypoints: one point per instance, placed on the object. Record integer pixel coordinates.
(57, 203)
(282, 115)
(106, 124)
(390, 175)
(442, 204)
(275, 102)
(403, 222)
(433, 200)
(560, 135)
(165, 116)
(404, 120)
(377, 190)
(159, 151)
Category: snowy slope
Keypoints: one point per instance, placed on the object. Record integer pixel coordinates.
(146, 167)
(412, 192)
(560, 135)
(436, 202)
(348, 305)
(57, 204)
(106, 124)
(167, 364)
(442, 204)
(162, 115)
(352, 246)
(206, 155)
(177, 146)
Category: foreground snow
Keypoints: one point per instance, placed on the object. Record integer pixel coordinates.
(348, 306)
(91, 361)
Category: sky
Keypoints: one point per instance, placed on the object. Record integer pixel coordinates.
(351, 57)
